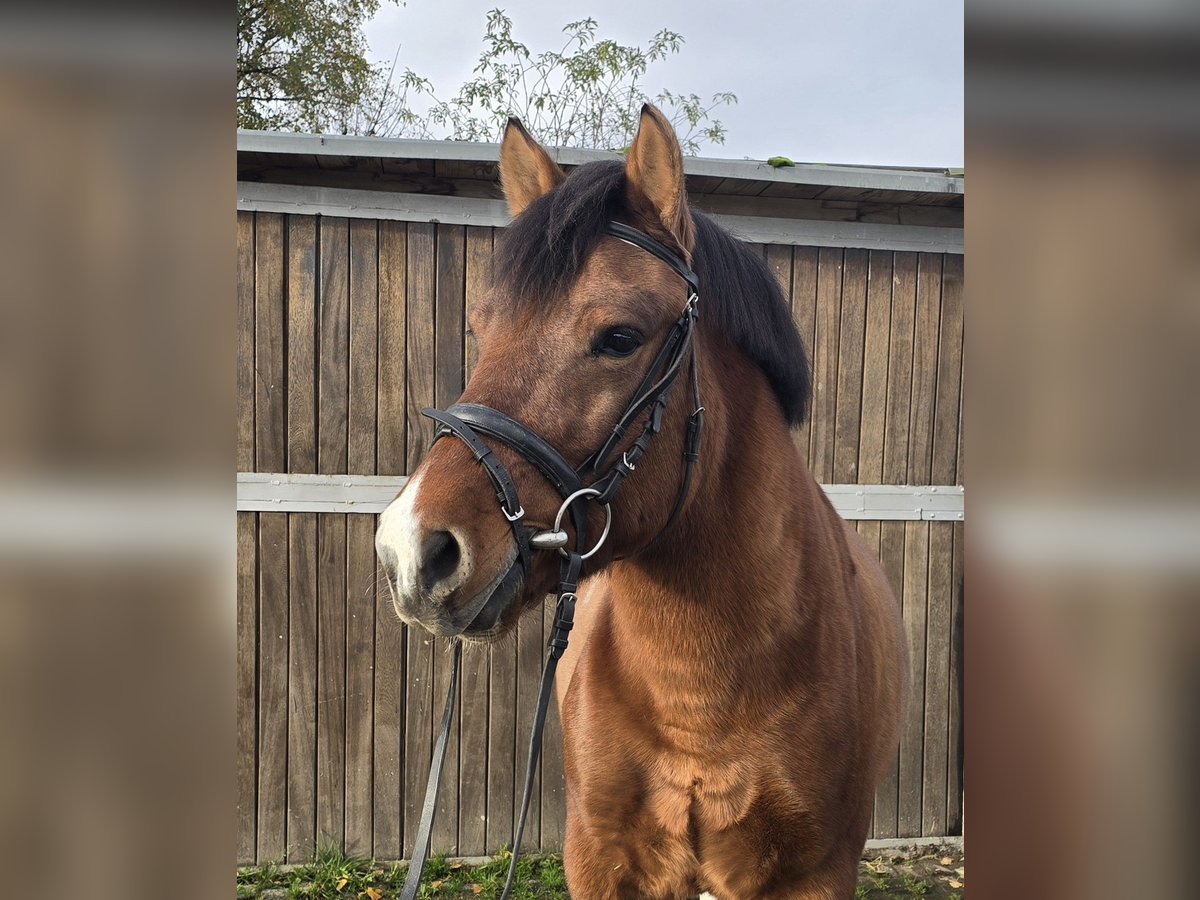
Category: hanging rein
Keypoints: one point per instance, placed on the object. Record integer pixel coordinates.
(470, 423)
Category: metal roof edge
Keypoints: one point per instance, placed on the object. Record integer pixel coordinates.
(831, 175)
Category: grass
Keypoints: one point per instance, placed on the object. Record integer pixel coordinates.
(333, 875)
(935, 876)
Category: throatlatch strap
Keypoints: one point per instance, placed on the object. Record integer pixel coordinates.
(412, 881)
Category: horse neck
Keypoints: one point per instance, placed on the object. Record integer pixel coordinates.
(726, 579)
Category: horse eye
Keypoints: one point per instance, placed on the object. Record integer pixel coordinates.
(617, 342)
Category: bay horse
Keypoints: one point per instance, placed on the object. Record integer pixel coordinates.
(733, 687)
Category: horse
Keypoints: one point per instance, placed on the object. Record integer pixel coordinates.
(732, 692)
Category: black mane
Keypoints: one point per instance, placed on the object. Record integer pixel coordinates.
(543, 251)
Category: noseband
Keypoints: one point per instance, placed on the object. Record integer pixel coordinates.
(471, 423)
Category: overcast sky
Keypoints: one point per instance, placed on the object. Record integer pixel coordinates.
(858, 81)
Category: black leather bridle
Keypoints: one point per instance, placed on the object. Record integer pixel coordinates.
(471, 423)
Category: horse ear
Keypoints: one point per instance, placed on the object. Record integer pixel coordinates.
(526, 170)
(654, 171)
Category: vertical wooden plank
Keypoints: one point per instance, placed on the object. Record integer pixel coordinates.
(895, 471)
(779, 261)
(391, 452)
(247, 684)
(804, 312)
(245, 342)
(912, 727)
(941, 750)
(420, 712)
(302, 339)
(851, 337)
(875, 371)
(247, 557)
(554, 789)
(272, 686)
(302, 540)
(360, 549)
(937, 679)
(391, 459)
(473, 753)
(529, 668)
(269, 344)
(954, 764)
(421, 339)
(473, 759)
(917, 537)
(825, 361)
(388, 759)
(334, 315)
(949, 374)
(925, 365)
(502, 740)
(270, 456)
(448, 381)
(479, 280)
(302, 686)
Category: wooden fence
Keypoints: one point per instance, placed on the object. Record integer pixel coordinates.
(347, 329)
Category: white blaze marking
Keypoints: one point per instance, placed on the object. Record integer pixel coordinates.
(400, 532)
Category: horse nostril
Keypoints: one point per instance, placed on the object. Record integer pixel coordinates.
(440, 555)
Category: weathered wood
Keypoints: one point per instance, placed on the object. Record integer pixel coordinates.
(331, 679)
(421, 338)
(895, 471)
(420, 711)
(389, 722)
(875, 369)
(247, 688)
(270, 455)
(474, 771)
(272, 686)
(925, 363)
(851, 337)
(245, 342)
(954, 763)
(333, 415)
(804, 312)
(943, 784)
(530, 642)
(479, 280)
(302, 686)
(391, 448)
(363, 348)
(502, 742)
(360, 549)
(301, 344)
(825, 361)
(419, 718)
(360, 694)
(451, 285)
(269, 342)
(779, 261)
(448, 383)
(936, 729)
(870, 452)
(302, 541)
(390, 459)
(912, 738)
(334, 314)
(473, 753)
(900, 371)
(949, 374)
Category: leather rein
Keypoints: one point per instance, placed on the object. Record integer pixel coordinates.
(471, 423)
